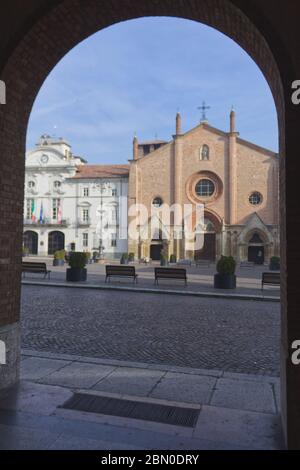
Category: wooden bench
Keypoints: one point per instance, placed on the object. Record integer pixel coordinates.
(120, 271)
(271, 279)
(170, 273)
(35, 267)
(202, 263)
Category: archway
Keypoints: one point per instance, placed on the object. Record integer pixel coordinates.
(42, 40)
(56, 242)
(208, 235)
(256, 249)
(30, 241)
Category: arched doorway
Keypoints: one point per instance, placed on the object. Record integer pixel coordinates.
(207, 236)
(253, 25)
(256, 249)
(30, 242)
(56, 242)
(157, 245)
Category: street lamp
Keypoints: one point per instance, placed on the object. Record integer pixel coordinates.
(102, 186)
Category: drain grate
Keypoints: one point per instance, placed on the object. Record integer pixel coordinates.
(133, 409)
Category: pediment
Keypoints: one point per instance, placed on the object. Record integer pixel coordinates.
(254, 224)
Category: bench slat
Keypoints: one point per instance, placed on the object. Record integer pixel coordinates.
(170, 273)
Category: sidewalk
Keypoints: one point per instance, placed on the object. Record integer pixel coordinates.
(234, 411)
(200, 282)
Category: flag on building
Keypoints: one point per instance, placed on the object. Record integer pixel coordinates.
(42, 220)
(33, 211)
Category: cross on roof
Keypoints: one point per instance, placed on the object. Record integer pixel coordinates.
(203, 109)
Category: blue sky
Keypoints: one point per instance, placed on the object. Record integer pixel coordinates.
(134, 76)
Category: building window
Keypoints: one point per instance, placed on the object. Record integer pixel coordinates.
(86, 192)
(255, 198)
(113, 239)
(55, 208)
(57, 184)
(204, 152)
(85, 240)
(157, 202)
(205, 188)
(31, 184)
(114, 215)
(85, 215)
(29, 208)
(114, 192)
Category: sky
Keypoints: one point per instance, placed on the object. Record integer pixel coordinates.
(133, 77)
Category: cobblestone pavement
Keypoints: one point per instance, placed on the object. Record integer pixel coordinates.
(237, 336)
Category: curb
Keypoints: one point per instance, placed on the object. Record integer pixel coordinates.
(147, 290)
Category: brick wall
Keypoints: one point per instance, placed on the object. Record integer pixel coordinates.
(33, 41)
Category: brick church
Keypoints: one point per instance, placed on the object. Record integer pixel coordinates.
(236, 181)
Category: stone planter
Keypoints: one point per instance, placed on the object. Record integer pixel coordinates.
(58, 262)
(225, 281)
(274, 267)
(76, 274)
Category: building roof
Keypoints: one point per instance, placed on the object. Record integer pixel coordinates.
(101, 171)
(153, 142)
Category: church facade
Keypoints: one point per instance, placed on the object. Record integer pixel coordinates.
(235, 181)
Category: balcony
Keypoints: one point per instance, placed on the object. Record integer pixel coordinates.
(46, 223)
(84, 222)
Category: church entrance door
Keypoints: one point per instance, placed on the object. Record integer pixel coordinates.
(256, 254)
(155, 251)
(208, 252)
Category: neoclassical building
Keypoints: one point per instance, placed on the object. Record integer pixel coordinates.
(71, 205)
(235, 180)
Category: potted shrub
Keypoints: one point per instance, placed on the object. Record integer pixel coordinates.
(95, 256)
(59, 258)
(163, 258)
(131, 257)
(77, 271)
(25, 251)
(274, 263)
(226, 278)
(124, 258)
(88, 257)
(173, 259)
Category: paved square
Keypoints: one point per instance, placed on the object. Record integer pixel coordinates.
(236, 336)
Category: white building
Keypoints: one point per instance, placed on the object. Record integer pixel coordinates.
(72, 205)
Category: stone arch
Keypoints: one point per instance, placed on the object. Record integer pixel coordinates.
(31, 241)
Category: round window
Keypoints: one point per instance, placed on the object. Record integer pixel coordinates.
(205, 188)
(255, 199)
(57, 184)
(157, 202)
(31, 184)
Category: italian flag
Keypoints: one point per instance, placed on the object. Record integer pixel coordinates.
(33, 211)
